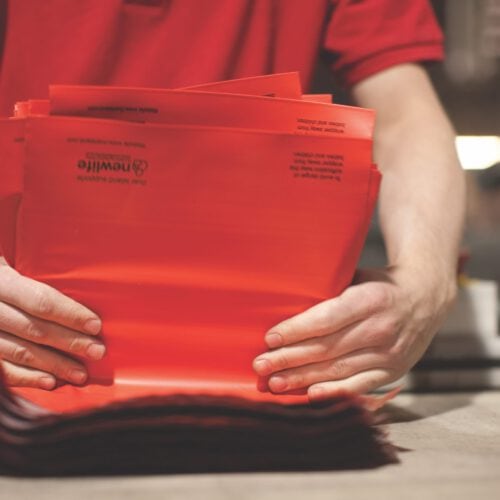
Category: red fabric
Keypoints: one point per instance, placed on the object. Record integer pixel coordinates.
(367, 36)
(174, 43)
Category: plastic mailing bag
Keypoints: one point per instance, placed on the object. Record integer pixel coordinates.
(189, 240)
(277, 85)
(188, 107)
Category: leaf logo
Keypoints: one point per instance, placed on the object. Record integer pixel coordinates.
(139, 167)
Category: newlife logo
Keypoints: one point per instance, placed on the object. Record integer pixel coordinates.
(95, 165)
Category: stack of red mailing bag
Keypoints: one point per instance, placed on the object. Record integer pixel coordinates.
(191, 221)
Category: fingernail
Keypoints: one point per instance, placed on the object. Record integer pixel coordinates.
(262, 384)
(78, 376)
(278, 384)
(263, 367)
(47, 382)
(96, 351)
(274, 340)
(93, 326)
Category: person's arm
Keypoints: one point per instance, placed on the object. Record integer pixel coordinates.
(379, 327)
(422, 200)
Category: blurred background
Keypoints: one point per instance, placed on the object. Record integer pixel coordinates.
(466, 354)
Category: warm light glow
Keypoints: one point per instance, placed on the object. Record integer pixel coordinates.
(477, 152)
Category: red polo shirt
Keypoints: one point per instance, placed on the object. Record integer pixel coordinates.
(173, 43)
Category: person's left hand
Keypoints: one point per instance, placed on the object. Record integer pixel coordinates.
(368, 336)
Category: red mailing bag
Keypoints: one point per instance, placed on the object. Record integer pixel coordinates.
(276, 85)
(190, 237)
(187, 107)
(189, 242)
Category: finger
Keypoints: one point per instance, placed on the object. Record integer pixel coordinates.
(361, 383)
(373, 332)
(306, 352)
(42, 301)
(23, 353)
(20, 376)
(334, 369)
(356, 303)
(39, 331)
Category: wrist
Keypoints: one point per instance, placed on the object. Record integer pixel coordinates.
(427, 280)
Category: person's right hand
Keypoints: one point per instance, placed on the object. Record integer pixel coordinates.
(40, 330)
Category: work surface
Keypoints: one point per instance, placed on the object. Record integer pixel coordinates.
(452, 444)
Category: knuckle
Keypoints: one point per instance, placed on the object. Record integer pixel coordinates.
(76, 345)
(321, 348)
(65, 369)
(296, 381)
(396, 354)
(383, 331)
(5, 276)
(21, 355)
(325, 315)
(375, 336)
(62, 368)
(379, 297)
(8, 279)
(43, 303)
(8, 273)
(393, 323)
(32, 331)
(353, 295)
(350, 292)
(281, 361)
(371, 297)
(388, 328)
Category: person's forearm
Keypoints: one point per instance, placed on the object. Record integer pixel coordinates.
(423, 188)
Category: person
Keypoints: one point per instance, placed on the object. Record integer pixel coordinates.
(378, 328)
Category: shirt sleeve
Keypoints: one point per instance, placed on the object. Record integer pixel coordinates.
(364, 37)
